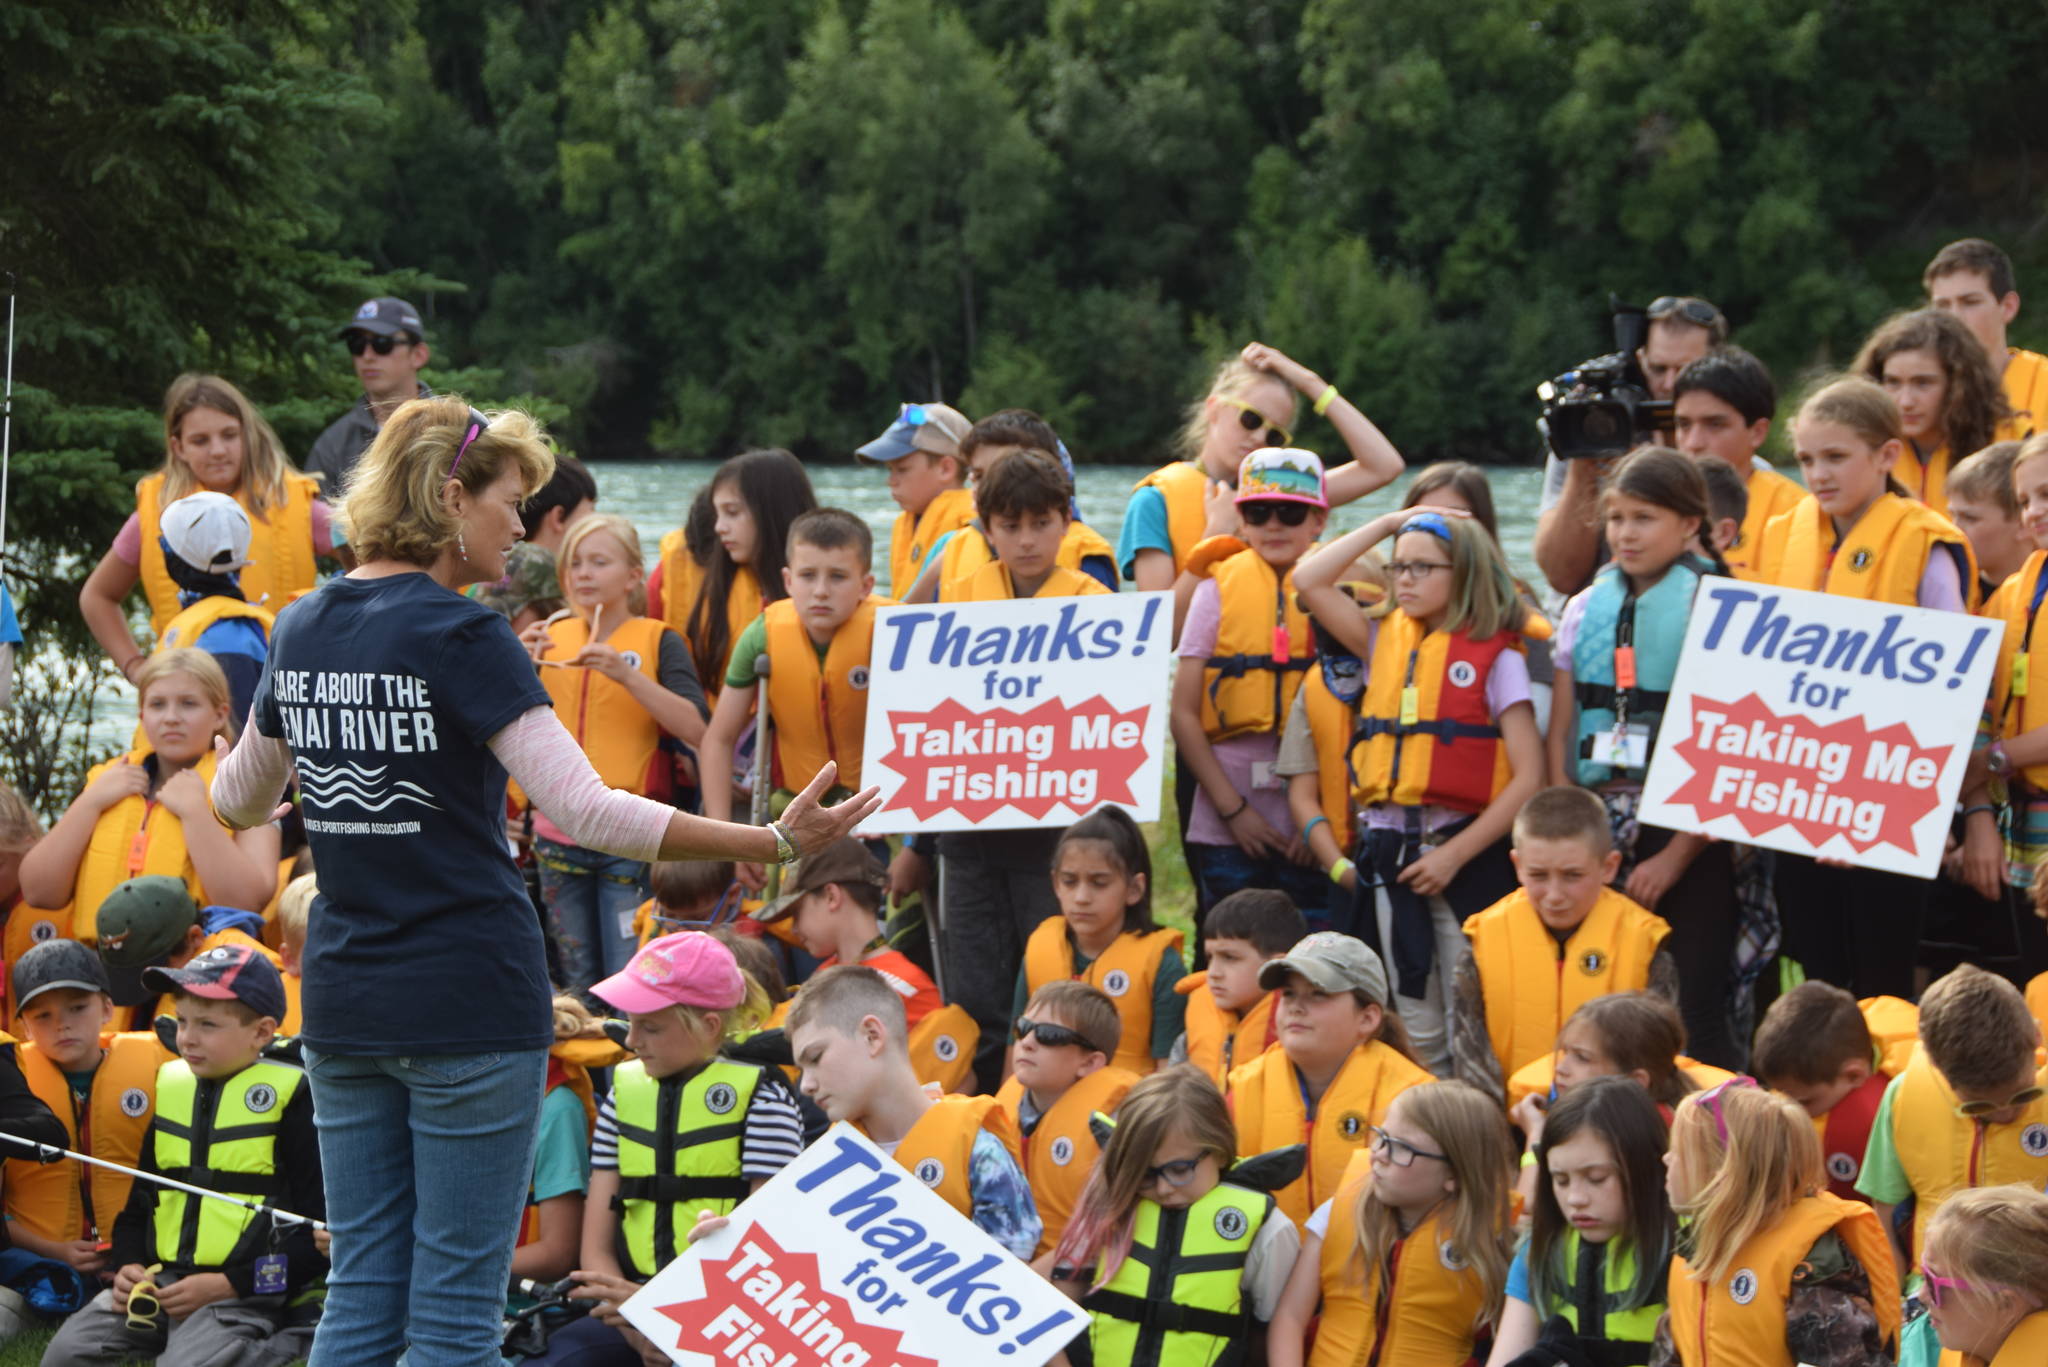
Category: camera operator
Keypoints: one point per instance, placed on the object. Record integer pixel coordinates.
(1569, 547)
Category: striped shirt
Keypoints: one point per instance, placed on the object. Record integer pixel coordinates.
(773, 1137)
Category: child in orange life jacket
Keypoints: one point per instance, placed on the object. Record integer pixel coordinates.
(1985, 508)
(735, 1126)
(26, 926)
(622, 683)
(294, 916)
(1971, 1110)
(847, 1032)
(1722, 406)
(819, 637)
(1815, 1048)
(1617, 657)
(1987, 1278)
(1946, 386)
(1410, 1258)
(1444, 750)
(1859, 535)
(1105, 936)
(1060, 1075)
(689, 894)
(1342, 1058)
(1564, 938)
(1773, 1269)
(928, 480)
(1591, 1279)
(551, 1234)
(959, 554)
(101, 1086)
(1229, 1016)
(150, 814)
(1171, 1230)
(1246, 648)
(833, 897)
(152, 921)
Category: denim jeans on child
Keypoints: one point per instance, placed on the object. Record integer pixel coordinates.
(591, 898)
(427, 1160)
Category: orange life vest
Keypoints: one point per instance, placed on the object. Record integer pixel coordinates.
(27, 927)
(1941, 1153)
(1125, 973)
(682, 578)
(939, 1147)
(912, 538)
(1926, 480)
(1881, 559)
(820, 710)
(1770, 494)
(1331, 723)
(1264, 647)
(2026, 392)
(968, 549)
(1265, 1102)
(621, 737)
(1061, 1152)
(134, 836)
(2025, 1346)
(280, 548)
(48, 1199)
(992, 584)
(1184, 485)
(942, 1046)
(1217, 1040)
(2016, 705)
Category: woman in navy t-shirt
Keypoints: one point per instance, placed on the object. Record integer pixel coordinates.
(403, 705)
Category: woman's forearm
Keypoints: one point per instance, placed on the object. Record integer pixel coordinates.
(249, 782)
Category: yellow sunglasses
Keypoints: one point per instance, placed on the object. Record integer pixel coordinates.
(141, 1320)
(1252, 420)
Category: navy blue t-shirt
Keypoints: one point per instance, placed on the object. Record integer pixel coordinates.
(423, 940)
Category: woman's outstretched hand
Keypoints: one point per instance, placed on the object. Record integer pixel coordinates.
(812, 826)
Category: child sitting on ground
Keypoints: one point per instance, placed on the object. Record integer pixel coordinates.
(689, 894)
(833, 900)
(200, 1281)
(1815, 1048)
(1060, 1075)
(1229, 1016)
(1562, 939)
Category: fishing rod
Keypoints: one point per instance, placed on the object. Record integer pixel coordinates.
(50, 1153)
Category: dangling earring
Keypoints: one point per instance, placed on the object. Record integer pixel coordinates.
(460, 546)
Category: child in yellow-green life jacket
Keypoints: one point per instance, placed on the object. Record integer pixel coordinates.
(928, 480)
(1245, 649)
(1229, 1016)
(199, 1280)
(684, 997)
(1105, 936)
(1589, 1281)
(1167, 1233)
(1771, 1268)
(1986, 1285)
(959, 554)
(1409, 1260)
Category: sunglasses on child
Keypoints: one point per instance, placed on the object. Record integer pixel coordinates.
(1400, 1152)
(1937, 1287)
(356, 341)
(2026, 1096)
(1258, 514)
(1053, 1036)
(1251, 419)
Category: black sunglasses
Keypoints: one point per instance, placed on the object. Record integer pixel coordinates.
(356, 341)
(1053, 1036)
(1257, 514)
(1698, 312)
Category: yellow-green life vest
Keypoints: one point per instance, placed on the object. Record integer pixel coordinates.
(679, 1154)
(1177, 1300)
(1592, 1313)
(220, 1134)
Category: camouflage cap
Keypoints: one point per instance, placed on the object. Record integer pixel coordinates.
(530, 582)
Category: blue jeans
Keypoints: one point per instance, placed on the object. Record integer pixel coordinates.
(1220, 870)
(591, 897)
(427, 1162)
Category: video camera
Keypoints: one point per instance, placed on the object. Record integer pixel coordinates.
(1603, 407)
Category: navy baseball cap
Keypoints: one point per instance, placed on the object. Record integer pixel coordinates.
(384, 317)
(226, 973)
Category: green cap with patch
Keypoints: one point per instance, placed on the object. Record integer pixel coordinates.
(139, 924)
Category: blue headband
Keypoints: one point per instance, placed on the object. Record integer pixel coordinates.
(1433, 523)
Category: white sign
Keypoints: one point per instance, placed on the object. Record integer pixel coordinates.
(1820, 724)
(1026, 712)
(844, 1259)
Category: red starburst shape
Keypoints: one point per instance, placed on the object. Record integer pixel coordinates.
(955, 759)
(1768, 770)
(764, 1295)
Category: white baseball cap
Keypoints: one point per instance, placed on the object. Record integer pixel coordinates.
(208, 531)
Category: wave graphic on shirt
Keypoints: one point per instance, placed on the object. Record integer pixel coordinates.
(328, 786)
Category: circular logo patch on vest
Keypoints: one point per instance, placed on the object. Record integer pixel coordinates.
(1450, 1257)
(857, 677)
(1842, 1166)
(43, 930)
(1351, 1124)
(2034, 1141)
(1462, 674)
(1858, 561)
(134, 1102)
(946, 1048)
(631, 657)
(1116, 982)
(929, 1171)
(1062, 1151)
(1231, 1224)
(721, 1098)
(1742, 1286)
(260, 1099)
(1592, 963)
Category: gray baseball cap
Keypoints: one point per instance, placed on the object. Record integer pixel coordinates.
(54, 964)
(1334, 962)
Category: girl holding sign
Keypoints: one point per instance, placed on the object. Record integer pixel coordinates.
(1617, 656)
(1857, 533)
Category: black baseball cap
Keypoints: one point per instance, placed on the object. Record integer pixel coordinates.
(57, 963)
(139, 923)
(384, 317)
(240, 973)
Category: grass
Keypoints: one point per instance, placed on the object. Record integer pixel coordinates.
(27, 1349)
(1173, 890)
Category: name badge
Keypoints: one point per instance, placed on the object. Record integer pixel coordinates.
(1623, 748)
(1263, 775)
(270, 1275)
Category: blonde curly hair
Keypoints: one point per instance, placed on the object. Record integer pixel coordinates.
(395, 505)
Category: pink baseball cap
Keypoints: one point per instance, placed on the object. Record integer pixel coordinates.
(688, 968)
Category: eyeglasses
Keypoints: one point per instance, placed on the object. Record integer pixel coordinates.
(356, 341)
(1259, 513)
(1415, 569)
(1178, 1173)
(1710, 1102)
(1054, 1036)
(144, 1320)
(1400, 1152)
(1698, 312)
(1251, 419)
(478, 425)
(2026, 1096)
